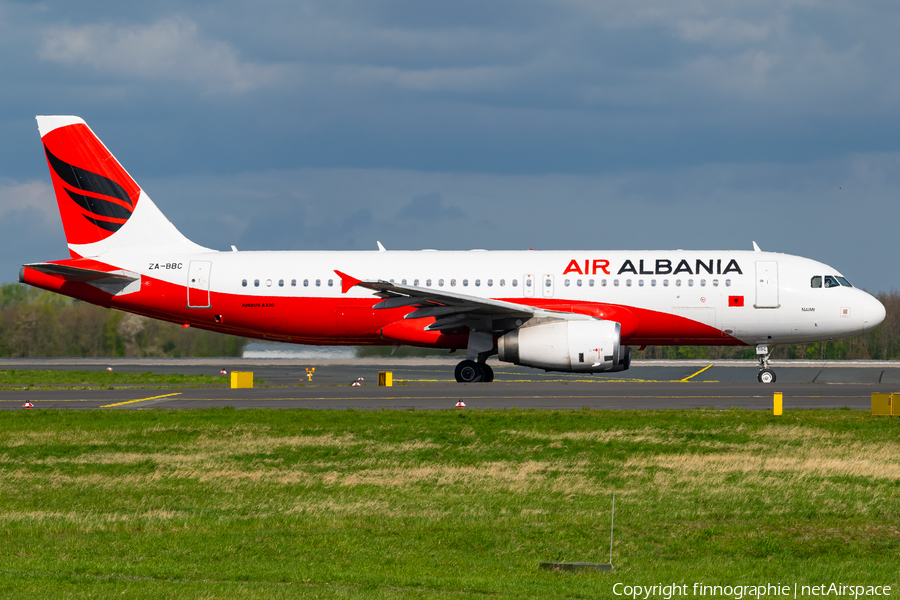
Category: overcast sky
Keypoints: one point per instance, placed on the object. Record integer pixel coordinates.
(579, 124)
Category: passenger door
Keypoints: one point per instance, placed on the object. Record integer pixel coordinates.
(198, 283)
(766, 284)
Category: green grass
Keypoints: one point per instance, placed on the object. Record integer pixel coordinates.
(41, 378)
(458, 504)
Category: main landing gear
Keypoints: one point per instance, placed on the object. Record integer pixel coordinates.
(481, 345)
(766, 375)
(469, 371)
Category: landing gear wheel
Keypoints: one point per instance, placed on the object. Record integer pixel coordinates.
(766, 376)
(488, 373)
(469, 371)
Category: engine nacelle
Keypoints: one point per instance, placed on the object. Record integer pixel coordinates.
(624, 359)
(579, 346)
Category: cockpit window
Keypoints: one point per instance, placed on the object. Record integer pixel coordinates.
(816, 281)
(830, 281)
(844, 281)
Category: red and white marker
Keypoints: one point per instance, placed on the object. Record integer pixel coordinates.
(357, 382)
(223, 372)
(28, 405)
(109, 368)
(460, 404)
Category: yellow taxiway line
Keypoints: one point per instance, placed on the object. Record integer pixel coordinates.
(697, 373)
(141, 400)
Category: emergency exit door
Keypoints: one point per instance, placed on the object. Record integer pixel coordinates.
(198, 283)
(547, 286)
(528, 286)
(766, 284)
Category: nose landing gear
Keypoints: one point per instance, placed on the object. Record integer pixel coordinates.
(766, 375)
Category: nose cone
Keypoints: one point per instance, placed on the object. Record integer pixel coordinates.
(873, 313)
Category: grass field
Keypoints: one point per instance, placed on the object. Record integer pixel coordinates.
(447, 504)
(37, 379)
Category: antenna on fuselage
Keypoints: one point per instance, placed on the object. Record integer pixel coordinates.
(756, 247)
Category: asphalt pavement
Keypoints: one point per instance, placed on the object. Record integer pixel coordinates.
(428, 384)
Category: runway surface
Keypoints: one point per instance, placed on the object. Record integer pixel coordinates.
(428, 384)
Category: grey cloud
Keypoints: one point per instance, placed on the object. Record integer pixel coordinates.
(429, 208)
(167, 50)
(579, 123)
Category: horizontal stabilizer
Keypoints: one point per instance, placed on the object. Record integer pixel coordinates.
(82, 275)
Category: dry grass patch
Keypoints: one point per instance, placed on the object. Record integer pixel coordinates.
(811, 463)
(88, 518)
(513, 477)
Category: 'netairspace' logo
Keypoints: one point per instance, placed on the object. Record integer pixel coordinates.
(676, 590)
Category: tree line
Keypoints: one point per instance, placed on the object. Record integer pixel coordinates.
(38, 324)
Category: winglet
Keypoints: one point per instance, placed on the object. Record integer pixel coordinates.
(347, 282)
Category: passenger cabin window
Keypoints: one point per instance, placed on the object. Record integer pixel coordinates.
(628, 282)
(579, 283)
(415, 283)
(293, 283)
(452, 283)
(515, 282)
(727, 283)
(677, 283)
(281, 283)
(567, 283)
(502, 282)
(428, 282)
(590, 282)
(616, 282)
(256, 283)
(465, 283)
(477, 283)
(403, 281)
(244, 283)
(603, 282)
(331, 283)
(830, 281)
(306, 283)
(702, 283)
(490, 282)
(528, 283)
(440, 283)
(665, 283)
(715, 283)
(652, 283)
(318, 282)
(641, 282)
(268, 283)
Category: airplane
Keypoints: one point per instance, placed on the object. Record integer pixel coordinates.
(570, 311)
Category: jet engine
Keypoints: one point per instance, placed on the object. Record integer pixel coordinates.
(575, 346)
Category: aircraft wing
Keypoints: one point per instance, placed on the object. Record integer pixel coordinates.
(451, 310)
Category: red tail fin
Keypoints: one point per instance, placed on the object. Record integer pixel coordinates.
(96, 196)
(98, 200)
